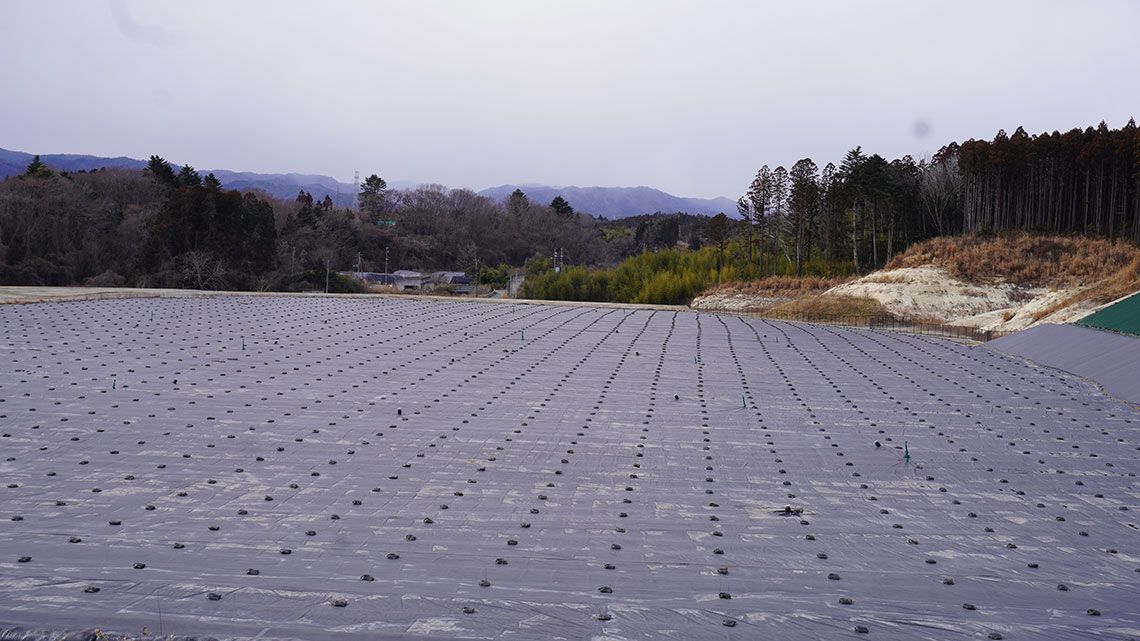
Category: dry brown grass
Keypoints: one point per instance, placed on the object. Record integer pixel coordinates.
(1024, 259)
(1122, 283)
(830, 307)
(778, 286)
(886, 278)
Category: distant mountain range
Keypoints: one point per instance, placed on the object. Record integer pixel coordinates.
(616, 202)
(283, 186)
(610, 202)
(15, 162)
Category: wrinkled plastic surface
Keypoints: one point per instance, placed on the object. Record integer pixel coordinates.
(724, 468)
(1110, 360)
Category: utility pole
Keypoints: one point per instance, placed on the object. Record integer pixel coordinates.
(359, 267)
(326, 275)
(475, 289)
(385, 259)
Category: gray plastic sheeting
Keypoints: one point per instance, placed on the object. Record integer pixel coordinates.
(543, 472)
(1112, 360)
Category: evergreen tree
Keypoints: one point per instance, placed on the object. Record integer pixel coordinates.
(718, 233)
(306, 216)
(779, 208)
(760, 196)
(744, 210)
(803, 203)
(517, 203)
(161, 171)
(830, 224)
(37, 169)
(372, 198)
(187, 177)
(561, 207)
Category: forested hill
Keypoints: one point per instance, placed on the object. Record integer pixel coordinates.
(13, 163)
(609, 202)
(868, 208)
(170, 226)
(616, 202)
(283, 186)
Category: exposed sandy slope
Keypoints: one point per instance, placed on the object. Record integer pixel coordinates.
(1002, 282)
(931, 293)
(928, 293)
(762, 294)
(735, 301)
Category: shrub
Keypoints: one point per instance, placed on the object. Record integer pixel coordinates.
(314, 280)
(108, 278)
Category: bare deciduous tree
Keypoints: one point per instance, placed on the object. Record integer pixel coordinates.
(940, 189)
(200, 270)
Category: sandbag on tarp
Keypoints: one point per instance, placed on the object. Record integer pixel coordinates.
(24, 634)
(90, 634)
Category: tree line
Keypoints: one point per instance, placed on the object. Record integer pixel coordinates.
(1083, 181)
(173, 228)
(853, 217)
(856, 215)
(170, 227)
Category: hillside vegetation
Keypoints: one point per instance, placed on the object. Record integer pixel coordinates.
(676, 276)
(1028, 260)
(1087, 272)
(614, 202)
(168, 227)
(764, 293)
(1004, 282)
(671, 276)
(173, 228)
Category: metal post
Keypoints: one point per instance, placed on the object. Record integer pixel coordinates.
(326, 275)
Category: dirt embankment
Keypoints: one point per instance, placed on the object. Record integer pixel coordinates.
(931, 293)
(996, 283)
(762, 294)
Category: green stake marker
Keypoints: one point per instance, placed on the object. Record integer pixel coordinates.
(742, 403)
(906, 451)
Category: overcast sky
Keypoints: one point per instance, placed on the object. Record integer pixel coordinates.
(689, 97)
